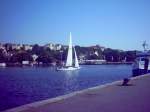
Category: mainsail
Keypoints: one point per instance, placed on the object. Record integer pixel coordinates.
(69, 56)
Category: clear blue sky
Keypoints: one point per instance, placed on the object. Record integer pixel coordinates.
(119, 24)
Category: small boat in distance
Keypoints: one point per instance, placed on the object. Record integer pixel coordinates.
(71, 64)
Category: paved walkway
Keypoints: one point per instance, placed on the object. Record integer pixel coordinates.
(112, 98)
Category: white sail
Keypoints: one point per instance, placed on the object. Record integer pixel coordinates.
(70, 65)
(69, 56)
(76, 59)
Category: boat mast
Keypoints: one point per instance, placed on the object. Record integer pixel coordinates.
(145, 46)
(69, 56)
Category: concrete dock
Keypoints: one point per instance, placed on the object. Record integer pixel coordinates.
(109, 98)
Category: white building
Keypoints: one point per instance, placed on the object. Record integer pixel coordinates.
(102, 48)
(97, 61)
(53, 46)
(50, 45)
(96, 53)
(58, 47)
(17, 46)
(27, 47)
(2, 64)
(82, 57)
(25, 62)
(34, 56)
(2, 46)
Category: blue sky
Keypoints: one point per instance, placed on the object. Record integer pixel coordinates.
(118, 24)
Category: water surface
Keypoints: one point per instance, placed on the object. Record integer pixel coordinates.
(20, 86)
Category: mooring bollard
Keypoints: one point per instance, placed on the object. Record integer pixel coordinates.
(125, 82)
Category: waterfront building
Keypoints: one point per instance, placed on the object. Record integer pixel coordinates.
(96, 53)
(53, 46)
(82, 57)
(34, 56)
(97, 47)
(65, 47)
(2, 46)
(27, 47)
(25, 62)
(17, 46)
(103, 48)
(98, 61)
(58, 47)
(50, 46)
(3, 64)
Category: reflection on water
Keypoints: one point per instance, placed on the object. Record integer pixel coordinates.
(70, 82)
(25, 85)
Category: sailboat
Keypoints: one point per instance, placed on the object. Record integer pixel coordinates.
(71, 64)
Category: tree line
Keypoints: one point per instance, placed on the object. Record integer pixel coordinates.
(46, 55)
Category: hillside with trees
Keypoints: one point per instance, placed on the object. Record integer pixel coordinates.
(47, 55)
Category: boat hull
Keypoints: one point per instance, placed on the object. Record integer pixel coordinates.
(67, 68)
(137, 72)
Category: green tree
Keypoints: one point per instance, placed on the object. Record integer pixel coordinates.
(37, 49)
(130, 56)
(22, 56)
(2, 57)
(46, 57)
(108, 53)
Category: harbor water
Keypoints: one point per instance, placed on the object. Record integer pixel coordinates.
(22, 85)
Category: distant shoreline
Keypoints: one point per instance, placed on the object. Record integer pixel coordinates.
(50, 65)
(111, 63)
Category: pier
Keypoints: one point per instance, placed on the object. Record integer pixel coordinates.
(112, 97)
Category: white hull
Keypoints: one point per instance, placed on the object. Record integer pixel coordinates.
(140, 63)
(139, 66)
(68, 68)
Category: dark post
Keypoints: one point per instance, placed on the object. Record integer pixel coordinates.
(125, 82)
(146, 65)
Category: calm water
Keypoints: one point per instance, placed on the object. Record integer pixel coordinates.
(20, 86)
